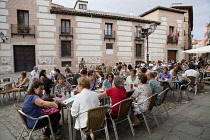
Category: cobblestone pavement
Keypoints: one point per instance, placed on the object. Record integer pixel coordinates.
(189, 120)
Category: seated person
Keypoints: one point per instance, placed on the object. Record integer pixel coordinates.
(192, 72)
(173, 71)
(108, 81)
(47, 82)
(92, 67)
(132, 79)
(22, 84)
(100, 72)
(83, 101)
(124, 72)
(155, 86)
(140, 94)
(68, 71)
(52, 73)
(61, 85)
(144, 70)
(93, 79)
(164, 75)
(32, 106)
(57, 72)
(77, 76)
(117, 93)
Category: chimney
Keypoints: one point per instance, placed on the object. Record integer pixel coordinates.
(176, 4)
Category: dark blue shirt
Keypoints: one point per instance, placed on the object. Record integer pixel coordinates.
(31, 109)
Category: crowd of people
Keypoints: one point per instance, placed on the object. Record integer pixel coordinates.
(113, 80)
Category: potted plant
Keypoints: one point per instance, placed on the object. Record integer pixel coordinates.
(26, 29)
(20, 29)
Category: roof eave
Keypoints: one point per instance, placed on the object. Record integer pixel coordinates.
(161, 8)
(79, 13)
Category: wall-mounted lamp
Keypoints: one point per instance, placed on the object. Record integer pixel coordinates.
(3, 38)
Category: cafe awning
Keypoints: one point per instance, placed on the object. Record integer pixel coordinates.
(205, 49)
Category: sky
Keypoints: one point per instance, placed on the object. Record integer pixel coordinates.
(201, 9)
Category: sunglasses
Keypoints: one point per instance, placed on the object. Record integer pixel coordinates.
(110, 76)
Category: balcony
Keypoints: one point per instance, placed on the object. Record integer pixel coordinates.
(22, 30)
(66, 31)
(172, 39)
(109, 34)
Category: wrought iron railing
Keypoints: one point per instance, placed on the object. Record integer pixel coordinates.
(109, 34)
(66, 31)
(172, 39)
(23, 29)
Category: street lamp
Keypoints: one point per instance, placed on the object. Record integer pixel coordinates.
(3, 38)
(146, 32)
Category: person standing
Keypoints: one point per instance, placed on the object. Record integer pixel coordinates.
(35, 74)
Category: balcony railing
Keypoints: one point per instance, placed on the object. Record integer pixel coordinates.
(172, 39)
(109, 34)
(66, 31)
(22, 30)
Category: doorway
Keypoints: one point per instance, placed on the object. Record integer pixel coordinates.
(172, 55)
(24, 58)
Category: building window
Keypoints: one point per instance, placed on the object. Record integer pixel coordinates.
(22, 18)
(83, 6)
(108, 29)
(65, 26)
(138, 50)
(138, 32)
(66, 49)
(64, 63)
(171, 31)
(109, 45)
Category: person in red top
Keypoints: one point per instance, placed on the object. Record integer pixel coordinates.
(117, 93)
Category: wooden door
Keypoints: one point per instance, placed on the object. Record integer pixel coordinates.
(172, 55)
(24, 58)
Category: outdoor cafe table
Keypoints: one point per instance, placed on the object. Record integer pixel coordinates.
(175, 82)
(4, 86)
(71, 137)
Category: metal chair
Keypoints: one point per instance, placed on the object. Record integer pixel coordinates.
(24, 91)
(123, 114)
(8, 87)
(6, 80)
(192, 83)
(105, 101)
(149, 110)
(95, 121)
(1, 99)
(29, 130)
(184, 87)
(162, 105)
(69, 80)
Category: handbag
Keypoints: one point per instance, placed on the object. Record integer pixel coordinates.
(49, 111)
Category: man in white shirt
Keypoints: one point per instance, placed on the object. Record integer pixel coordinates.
(35, 73)
(191, 72)
(132, 79)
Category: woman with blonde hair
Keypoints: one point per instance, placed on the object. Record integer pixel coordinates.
(83, 101)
